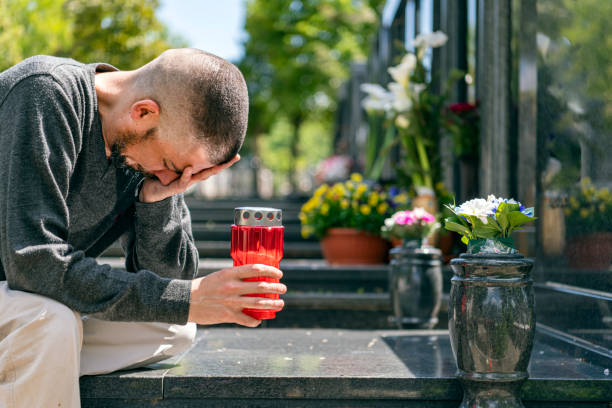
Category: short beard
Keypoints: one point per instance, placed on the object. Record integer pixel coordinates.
(122, 142)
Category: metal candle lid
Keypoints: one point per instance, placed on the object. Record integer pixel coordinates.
(258, 216)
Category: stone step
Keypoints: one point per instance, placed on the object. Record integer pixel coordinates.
(226, 216)
(221, 249)
(229, 203)
(317, 281)
(305, 367)
(211, 231)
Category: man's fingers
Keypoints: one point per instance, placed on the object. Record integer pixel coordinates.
(263, 303)
(206, 173)
(246, 320)
(257, 271)
(256, 287)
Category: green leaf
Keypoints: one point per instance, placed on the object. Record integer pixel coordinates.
(465, 240)
(488, 230)
(508, 207)
(502, 217)
(453, 226)
(390, 140)
(517, 218)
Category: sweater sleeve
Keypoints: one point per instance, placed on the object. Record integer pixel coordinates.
(161, 239)
(41, 136)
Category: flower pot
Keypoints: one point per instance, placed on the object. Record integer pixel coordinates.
(415, 285)
(491, 326)
(351, 246)
(590, 251)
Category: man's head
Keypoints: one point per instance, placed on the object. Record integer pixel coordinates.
(185, 108)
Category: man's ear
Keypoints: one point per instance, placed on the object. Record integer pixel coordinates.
(145, 111)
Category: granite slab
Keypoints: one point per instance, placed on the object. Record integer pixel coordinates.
(298, 367)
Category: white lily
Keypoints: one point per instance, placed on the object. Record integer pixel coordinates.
(418, 88)
(401, 73)
(374, 90)
(378, 99)
(401, 100)
(433, 40)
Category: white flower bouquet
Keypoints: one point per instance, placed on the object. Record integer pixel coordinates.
(487, 225)
(409, 111)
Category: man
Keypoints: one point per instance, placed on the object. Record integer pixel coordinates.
(90, 154)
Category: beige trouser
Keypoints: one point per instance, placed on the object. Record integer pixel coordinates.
(45, 347)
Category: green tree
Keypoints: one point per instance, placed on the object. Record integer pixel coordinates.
(125, 33)
(31, 27)
(297, 55)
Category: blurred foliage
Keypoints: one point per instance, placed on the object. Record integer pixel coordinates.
(297, 55)
(574, 71)
(589, 210)
(124, 33)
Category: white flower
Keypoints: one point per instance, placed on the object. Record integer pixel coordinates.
(401, 73)
(378, 99)
(496, 201)
(389, 222)
(401, 101)
(433, 40)
(478, 207)
(418, 88)
(374, 105)
(374, 90)
(402, 121)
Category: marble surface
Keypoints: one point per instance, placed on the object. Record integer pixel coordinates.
(328, 364)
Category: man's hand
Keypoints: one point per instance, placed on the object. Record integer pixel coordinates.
(153, 190)
(217, 298)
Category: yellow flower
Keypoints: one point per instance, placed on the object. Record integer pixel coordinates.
(355, 206)
(339, 191)
(361, 188)
(350, 186)
(401, 198)
(344, 204)
(585, 181)
(302, 217)
(574, 203)
(602, 207)
(325, 209)
(356, 177)
(603, 193)
(365, 209)
(584, 213)
(373, 199)
(321, 190)
(382, 208)
(568, 212)
(306, 231)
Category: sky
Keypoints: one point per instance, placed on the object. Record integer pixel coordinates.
(215, 26)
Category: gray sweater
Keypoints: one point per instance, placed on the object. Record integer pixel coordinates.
(62, 203)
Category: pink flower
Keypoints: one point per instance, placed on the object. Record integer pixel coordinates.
(410, 217)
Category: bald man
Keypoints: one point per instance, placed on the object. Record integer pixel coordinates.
(90, 154)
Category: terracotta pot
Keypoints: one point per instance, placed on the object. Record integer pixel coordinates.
(590, 251)
(351, 246)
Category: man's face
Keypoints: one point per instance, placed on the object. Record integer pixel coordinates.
(159, 158)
